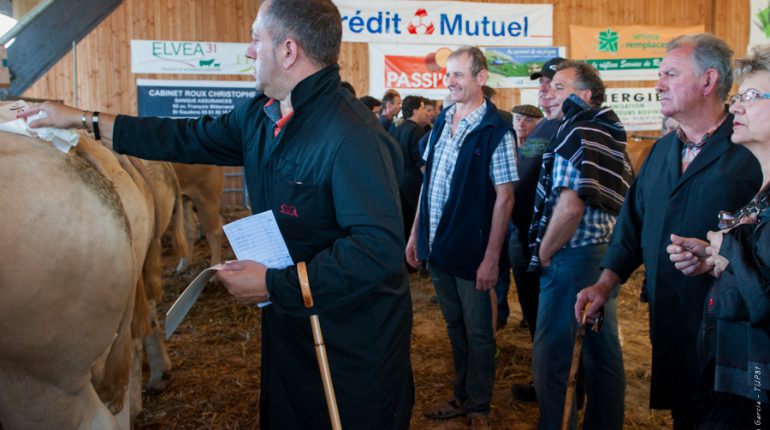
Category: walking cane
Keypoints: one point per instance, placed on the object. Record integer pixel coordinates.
(320, 348)
(573, 369)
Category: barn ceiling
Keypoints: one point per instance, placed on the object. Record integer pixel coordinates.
(46, 34)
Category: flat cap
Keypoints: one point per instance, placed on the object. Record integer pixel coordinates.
(528, 110)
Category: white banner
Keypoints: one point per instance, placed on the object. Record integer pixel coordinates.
(759, 23)
(446, 22)
(638, 108)
(198, 58)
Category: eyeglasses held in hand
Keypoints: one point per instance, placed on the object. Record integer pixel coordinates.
(745, 215)
(748, 96)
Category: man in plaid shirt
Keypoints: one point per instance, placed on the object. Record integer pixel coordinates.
(460, 226)
(585, 175)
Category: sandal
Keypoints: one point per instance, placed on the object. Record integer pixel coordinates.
(443, 410)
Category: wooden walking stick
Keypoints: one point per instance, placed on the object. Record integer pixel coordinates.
(573, 369)
(320, 348)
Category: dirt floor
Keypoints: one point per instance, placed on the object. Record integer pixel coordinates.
(216, 356)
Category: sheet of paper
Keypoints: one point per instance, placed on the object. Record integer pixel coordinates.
(256, 237)
(185, 301)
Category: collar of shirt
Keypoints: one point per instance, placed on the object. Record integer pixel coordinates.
(273, 111)
(689, 144)
(471, 120)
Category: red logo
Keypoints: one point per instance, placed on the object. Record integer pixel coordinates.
(420, 23)
(289, 210)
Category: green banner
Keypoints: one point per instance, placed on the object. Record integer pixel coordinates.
(625, 64)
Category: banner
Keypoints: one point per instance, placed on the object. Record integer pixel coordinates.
(446, 22)
(511, 67)
(199, 58)
(637, 108)
(759, 22)
(624, 53)
(410, 69)
(191, 99)
(420, 69)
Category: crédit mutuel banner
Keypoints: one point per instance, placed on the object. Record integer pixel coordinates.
(184, 57)
(446, 22)
(624, 53)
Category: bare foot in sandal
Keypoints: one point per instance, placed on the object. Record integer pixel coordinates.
(444, 410)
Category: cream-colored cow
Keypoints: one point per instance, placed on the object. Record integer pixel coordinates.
(203, 185)
(73, 244)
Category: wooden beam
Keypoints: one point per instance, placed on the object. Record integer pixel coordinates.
(49, 36)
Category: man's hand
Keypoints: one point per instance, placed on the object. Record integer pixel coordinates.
(597, 294)
(411, 251)
(486, 274)
(544, 261)
(689, 255)
(58, 115)
(244, 280)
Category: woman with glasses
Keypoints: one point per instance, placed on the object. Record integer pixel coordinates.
(735, 340)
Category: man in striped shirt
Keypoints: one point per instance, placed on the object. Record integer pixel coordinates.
(585, 175)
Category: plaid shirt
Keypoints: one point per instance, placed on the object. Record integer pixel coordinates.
(502, 166)
(596, 225)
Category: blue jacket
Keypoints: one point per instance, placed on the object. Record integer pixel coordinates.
(463, 231)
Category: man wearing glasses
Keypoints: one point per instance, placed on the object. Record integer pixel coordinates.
(689, 176)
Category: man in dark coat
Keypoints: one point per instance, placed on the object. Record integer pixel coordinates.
(687, 179)
(318, 159)
(408, 135)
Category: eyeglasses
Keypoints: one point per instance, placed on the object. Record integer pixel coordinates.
(746, 214)
(748, 96)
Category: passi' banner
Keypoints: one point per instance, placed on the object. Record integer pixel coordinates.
(446, 22)
(420, 69)
(409, 69)
(630, 52)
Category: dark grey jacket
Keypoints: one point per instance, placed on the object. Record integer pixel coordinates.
(330, 178)
(663, 201)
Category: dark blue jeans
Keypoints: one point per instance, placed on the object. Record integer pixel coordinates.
(571, 270)
(468, 315)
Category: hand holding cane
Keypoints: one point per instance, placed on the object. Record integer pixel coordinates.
(573, 368)
(320, 348)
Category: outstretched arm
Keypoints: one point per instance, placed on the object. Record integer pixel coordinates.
(63, 116)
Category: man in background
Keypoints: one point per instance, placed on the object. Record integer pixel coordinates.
(520, 255)
(391, 105)
(408, 135)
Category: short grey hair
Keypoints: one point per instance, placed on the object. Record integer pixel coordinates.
(315, 24)
(478, 59)
(708, 52)
(586, 78)
(757, 61)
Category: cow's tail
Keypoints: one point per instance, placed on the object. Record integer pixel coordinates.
(113, 383)
(179, 237)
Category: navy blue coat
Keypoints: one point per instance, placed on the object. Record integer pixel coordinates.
(663, 201)
(331, 179)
